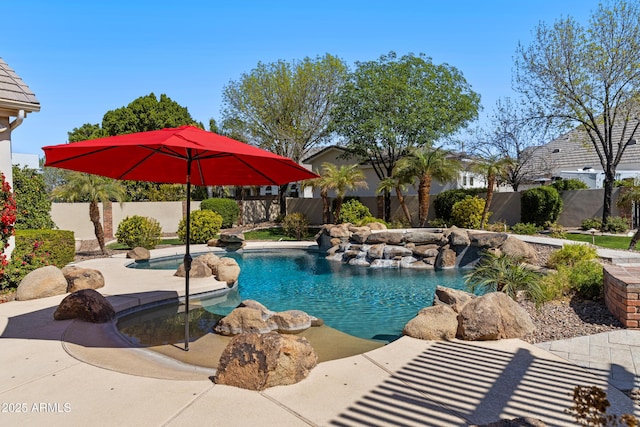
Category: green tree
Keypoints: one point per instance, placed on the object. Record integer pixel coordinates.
(425, 164)
(390, 106)
(493, 168)
(629, 196)
(284, 107)
(589, 77)
(340, 180)
(84, 187)
(33, 203)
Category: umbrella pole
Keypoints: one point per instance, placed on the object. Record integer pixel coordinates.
(187, 256)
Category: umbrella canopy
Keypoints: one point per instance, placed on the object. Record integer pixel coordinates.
(184, 155)
(162, 156)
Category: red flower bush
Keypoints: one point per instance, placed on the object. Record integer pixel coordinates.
(7, 219)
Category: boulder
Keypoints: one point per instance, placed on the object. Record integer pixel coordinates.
(426, 251)
(340, 231)
(408, 261)
(291, 321)
(228, 271)
(488, 240)
(259, 361)
(376, 251)
(420, 265)
(493, 316)
(517, 248)
(211, 261)
(242, 320)
(359, 262)
(139, 254)
(41, 283)
(199, 268)
(452, 297)
(458, 237)
(82, 278)
(360, 234)
(213, 242)
(88, 305)
(424, 238)
(433, 323)
(376, 226)
(387, 237)
(385, 263)
(250, 303)
(446, 259)
(391, 252)
(227, 238)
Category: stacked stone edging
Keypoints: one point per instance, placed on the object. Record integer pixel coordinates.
(621, 294)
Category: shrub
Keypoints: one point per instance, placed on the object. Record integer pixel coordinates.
(7, 219)
(506, 274)
(205, 225)
(33, 203)
(139, 231)
(525, 228)
(589, 223)
(467, 213)
(443, 202)
(570, 255)
(369, 219)
(555, 230)
(353, 211)
(35, 249)
(498, 226)
(616, 224)
(586, 278)
(569, 184)
(227, 208)
(554, 285)
(540, 205)
(438, 223)
(295, 225)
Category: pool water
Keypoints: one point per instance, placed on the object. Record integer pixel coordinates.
(370, 303)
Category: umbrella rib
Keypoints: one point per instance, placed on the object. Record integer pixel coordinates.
(137, 164)
(79, 156)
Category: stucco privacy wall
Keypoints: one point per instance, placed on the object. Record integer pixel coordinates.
(578, 205)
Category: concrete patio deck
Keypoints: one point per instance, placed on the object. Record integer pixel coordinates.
(408, 382)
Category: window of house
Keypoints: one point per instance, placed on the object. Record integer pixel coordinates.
(471, 181)
(464, 180)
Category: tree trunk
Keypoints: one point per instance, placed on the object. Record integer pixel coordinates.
(326, 208)
(424, 188)
(491, 182)
(405, 209)
(282, 197)
(94, 216)
(634, 240)
(387, 205)
(336, 218)
(609, 177)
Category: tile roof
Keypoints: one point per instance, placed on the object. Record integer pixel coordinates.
(14, 93)
(574, 150)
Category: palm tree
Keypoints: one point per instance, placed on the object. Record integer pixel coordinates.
(340, 180)
(631, 195)
(398, 182)
(324, 194)
(492, 168)
(425, 164)
(92, 188)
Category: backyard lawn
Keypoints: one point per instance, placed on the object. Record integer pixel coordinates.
(609, 242)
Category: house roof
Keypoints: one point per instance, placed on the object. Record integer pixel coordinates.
(575, 151)
(14, 93)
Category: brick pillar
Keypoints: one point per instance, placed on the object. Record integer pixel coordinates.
(107, 215)
(621, 294)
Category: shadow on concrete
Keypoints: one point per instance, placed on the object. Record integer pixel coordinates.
(477, 384)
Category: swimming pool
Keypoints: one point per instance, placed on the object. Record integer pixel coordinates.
(365, 302)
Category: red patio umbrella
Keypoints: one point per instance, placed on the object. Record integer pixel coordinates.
(183, 155)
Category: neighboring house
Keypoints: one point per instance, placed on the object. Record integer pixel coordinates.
(16, 101)
(333, 154)
(572, 155)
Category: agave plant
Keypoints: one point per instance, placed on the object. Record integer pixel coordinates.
(504, 273)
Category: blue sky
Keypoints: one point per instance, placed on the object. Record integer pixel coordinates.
(84, 58)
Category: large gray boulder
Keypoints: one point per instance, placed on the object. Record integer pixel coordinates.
(424, 238)
(488, 240)
(517, 248)
(259, 361)
(426, 251)
(386, 237)
(41, 283)
(446, 259)
(139, 254)
(228, 271)
(88, 305)
(439, 322)
(493, 316)
(291, 321)
(458, 237)
(82, 278)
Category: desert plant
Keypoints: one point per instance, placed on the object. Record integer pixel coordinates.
(204, 227)
(540, 204)
(570, 255)
(227, 208)
(504, 273)
(139, 231)
(369, 219)
(497, 227)
(616, 224)
(555, 230)
(467, 213)
(295, 225)
(589, 223)
(353, 211)
(586, 279)
(525, 228)
(569, 184)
